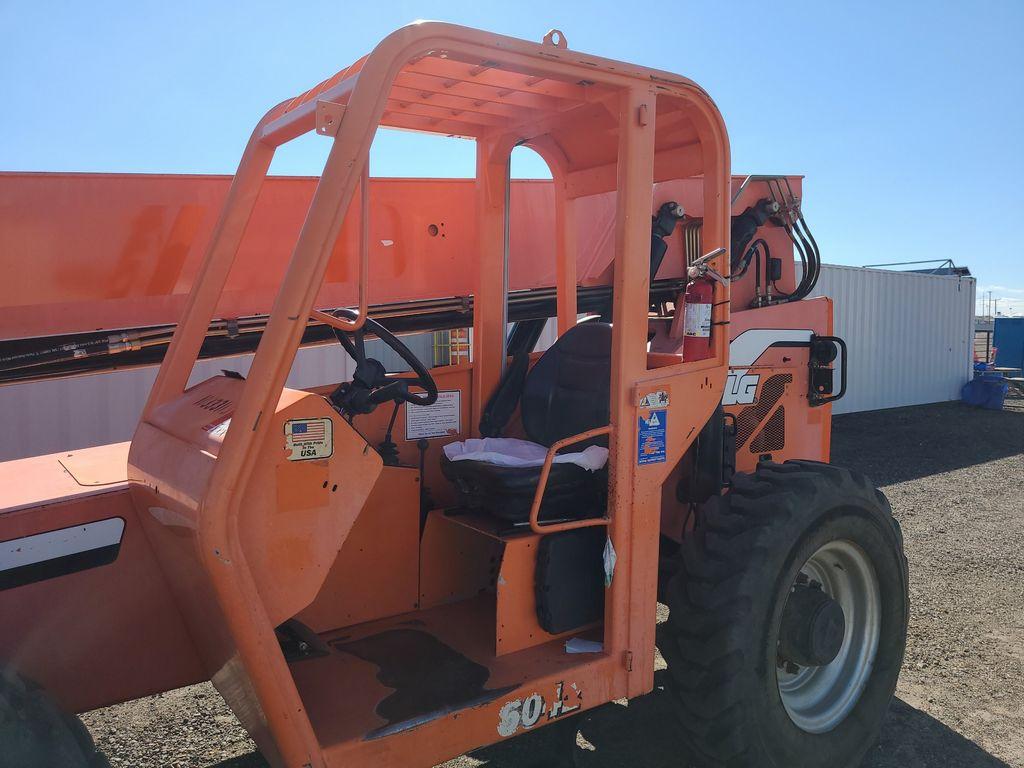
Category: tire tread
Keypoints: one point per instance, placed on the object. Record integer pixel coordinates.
(710, 601)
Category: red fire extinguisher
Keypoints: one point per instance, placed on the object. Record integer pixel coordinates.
(697, 304)
(697, 319)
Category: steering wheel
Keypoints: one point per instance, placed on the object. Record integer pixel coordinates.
(370, 385)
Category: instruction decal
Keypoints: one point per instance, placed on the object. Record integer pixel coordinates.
(650, 447)
(306, 439)
(441, 419)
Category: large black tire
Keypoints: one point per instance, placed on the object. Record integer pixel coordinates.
(36, 733)
(734, 576)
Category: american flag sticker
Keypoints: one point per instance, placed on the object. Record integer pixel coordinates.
(309, 439)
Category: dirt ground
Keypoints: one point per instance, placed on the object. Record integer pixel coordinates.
(955, 477)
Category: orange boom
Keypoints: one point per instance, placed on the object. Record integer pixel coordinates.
(396, 568)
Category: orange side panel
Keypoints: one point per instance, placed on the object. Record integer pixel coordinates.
(102, 635)
(297, 513)
(769, 397)
(457, 562)
(464, 555)
(376, 573)
(285, 552)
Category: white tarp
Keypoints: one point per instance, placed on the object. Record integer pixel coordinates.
(510, 452)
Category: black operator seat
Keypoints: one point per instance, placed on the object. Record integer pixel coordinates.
(565, 393)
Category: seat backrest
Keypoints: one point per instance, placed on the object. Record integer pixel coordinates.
(567, 391)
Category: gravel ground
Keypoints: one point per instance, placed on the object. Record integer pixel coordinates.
(955, 477)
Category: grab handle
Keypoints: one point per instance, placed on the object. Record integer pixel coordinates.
(542, 482)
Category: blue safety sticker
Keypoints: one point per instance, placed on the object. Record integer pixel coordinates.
(650, 448)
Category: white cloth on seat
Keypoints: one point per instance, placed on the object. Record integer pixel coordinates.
(510, 452)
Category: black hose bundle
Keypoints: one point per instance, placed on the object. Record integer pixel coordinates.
(782, 208)
(745, 226)
(791, 218)
(758, 249)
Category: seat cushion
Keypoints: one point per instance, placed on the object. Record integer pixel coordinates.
(507, 492)
(510, 452)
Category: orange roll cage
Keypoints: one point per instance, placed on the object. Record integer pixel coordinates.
(602, 126)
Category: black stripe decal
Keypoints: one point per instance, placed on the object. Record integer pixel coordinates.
(59, 566)
(59, 552)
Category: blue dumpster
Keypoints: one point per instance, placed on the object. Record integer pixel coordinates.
(1008, 339)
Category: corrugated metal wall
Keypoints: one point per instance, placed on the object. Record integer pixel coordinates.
(65, 414)
(910, 335)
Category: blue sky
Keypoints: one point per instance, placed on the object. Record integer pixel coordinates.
(907, 118)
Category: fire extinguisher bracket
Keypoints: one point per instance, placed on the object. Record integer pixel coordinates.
(701, 267)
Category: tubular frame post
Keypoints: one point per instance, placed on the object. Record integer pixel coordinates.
(565, 231)
(364, 252)
(493, 160)
(565, 245)
(635, 181)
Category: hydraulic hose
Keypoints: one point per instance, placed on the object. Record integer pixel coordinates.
(790, 217)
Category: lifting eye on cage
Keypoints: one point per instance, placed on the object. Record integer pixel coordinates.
(556, 38)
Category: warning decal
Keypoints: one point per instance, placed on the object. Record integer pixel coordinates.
(656, 399)
(309, 438)
(651, 438)
(441, 419)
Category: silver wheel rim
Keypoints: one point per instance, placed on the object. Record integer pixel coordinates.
(818, 699)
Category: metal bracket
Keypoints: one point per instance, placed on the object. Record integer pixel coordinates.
(328, 117)
(700, 267)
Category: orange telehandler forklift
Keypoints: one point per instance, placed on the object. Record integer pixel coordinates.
(395, 569)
